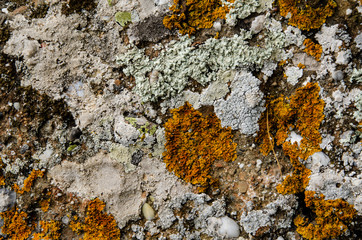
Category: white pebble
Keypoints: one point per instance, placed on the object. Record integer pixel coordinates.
(229, 228)
(148, 211)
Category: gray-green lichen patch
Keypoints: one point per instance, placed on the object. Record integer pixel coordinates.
(293, 74)
(358, 103)
(123, 155)
(123, 18)
(356, 75)
(242, 109)
(169, 73)
(240, 9)
(253, 220)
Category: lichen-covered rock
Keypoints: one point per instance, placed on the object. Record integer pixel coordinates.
(180, 60)
(253, 220)
(204, 208)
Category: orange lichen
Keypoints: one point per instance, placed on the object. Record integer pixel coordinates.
(304, 16)
(28, 182)
(44, 205)
(97, 225)
(15, 224)
(313, 49)
(190, 15)
(194, 142)
(76, 227)
(2, 181)
(302, 112)
(301, 65)
(283, 62)
(49, 231)
(299, 179)
(332, 217)
(2, 178)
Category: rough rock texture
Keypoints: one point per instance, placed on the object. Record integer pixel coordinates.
(103, 176)
(84, 99)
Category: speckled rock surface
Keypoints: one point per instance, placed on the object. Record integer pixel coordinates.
(85, 98)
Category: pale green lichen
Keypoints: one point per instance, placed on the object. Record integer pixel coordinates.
(356, 75)
(123, 155)
(240, 9)
(146, 128)
(71, 147)
(123, 18)
(168, 74)
(358, 103)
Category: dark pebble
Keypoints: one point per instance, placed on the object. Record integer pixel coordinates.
(137, 157)
(75, 134)
(24, 148)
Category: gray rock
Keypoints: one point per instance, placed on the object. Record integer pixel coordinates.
(137, 157)
(7, 199)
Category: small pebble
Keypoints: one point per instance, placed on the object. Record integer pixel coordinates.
(243, 187)
(75, 134)
(229, 228)
(137, 157)
(17, 106)
(24, 148)
(258, 164)
(148, 212)
(65, 220)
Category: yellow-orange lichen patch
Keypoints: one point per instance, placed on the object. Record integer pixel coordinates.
(44, 205)
(15, 224)
(2, 181)
(301, 65)
(313, 49)
(194, 142)
(190, 15)
(332, 217)
(283, 62)
(97, 224)
(280, 121)
(299, 179)
(302, 112)
(307, 109)
(2, 178)
(28, 182)
(304, 16)
(49, 231)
